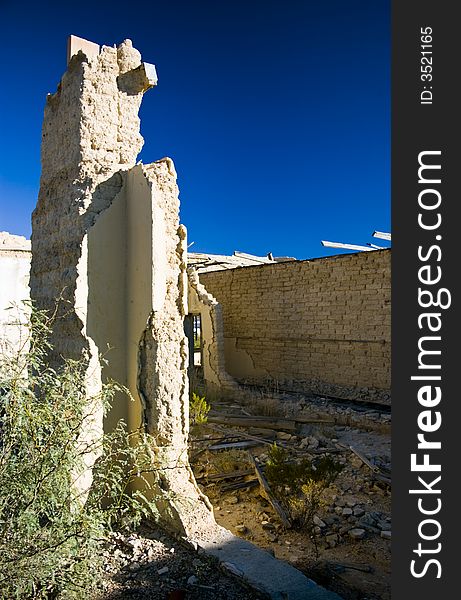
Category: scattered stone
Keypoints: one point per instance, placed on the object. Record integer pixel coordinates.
(357, 534)
(367, 519)
(232, 500)
(309, 442)
(240, 528)
(346, 512)
(268, 526)
(358, 512)
(192, 580)
(386, 535)
(332, 540)
(319, 521)
(338, 510)
(163, 570)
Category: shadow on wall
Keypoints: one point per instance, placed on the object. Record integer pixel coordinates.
(120, 284)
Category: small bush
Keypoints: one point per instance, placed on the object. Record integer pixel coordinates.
(53, 532)
(299, 485)
(281, 472)
(198, 409)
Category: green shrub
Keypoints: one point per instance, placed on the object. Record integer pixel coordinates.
(283, 472)
(53, 533)
(198, 409)
(299, 485)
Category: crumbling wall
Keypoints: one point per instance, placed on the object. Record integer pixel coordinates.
(14, 290)
(321, 325)
(107, 240)
(214, 369)
(90, 132)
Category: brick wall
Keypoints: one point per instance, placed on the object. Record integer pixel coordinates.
(321, 324)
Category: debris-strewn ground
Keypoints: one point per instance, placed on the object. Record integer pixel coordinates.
(152, 565)
(353, 527)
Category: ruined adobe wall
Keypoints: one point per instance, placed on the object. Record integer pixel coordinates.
(320, 325)
(90, 133)
(213, 356)
(14, 290)
(106, 238)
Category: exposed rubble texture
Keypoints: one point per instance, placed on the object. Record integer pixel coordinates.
(353, 525)
(107, 240)
(152, 565)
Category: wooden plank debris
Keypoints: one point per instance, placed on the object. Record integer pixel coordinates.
(263, 422)
(376, 470)
(229, 475)
(242, 434)
(256, 259)
(346, 246)
(239, 485)
(382, 235)
(230, 445)
(325, 450)
(314, 420)
(364, 459)
(195, 455)
(268, 493)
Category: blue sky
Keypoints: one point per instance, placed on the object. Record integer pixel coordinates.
(276, 114)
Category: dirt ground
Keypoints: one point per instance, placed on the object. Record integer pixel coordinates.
(352, 527)
(151, 565)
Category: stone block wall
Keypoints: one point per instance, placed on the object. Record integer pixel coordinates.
(321, 325)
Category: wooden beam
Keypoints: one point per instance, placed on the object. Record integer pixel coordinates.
(263, 422)
(260, 259)
(229, 445)
(229, 475)
(382, 235)
(268, 493)
(346, 246)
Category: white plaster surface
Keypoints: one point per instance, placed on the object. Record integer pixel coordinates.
(14, 289)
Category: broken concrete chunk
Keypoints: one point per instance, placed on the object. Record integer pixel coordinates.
(76, 44)
(356, 534)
